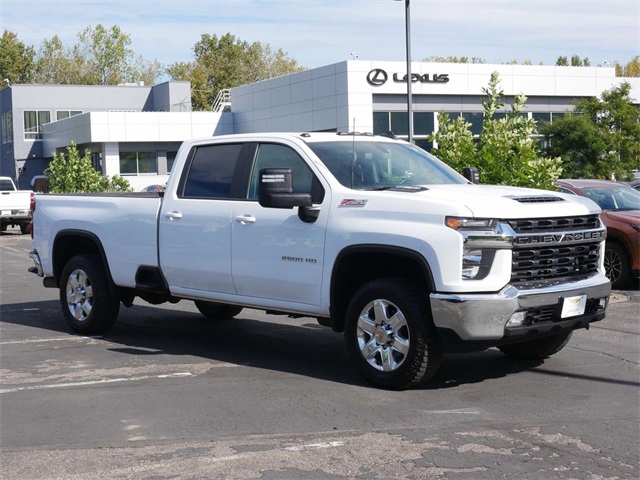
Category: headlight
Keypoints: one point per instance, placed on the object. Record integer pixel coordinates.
(471, 224)
(476, 260)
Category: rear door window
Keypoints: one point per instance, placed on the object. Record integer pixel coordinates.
(211, 171)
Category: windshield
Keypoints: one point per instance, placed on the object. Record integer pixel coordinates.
(614, 198)
(370, 165)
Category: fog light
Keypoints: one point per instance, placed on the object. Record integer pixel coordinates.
(602, 304)
(471, 262)
(517, 319)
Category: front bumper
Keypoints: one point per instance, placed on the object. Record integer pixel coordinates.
(483, 317)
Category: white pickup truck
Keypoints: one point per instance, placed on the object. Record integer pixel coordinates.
(370, 235)
(15, 210)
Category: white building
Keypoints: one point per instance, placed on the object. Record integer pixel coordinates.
(136, 130)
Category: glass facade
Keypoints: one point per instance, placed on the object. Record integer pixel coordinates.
(33, 121)
(138, 163)
(62, 114)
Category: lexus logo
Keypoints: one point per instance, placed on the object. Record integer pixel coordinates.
(377, 77)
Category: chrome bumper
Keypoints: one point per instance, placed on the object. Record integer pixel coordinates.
(484, 316)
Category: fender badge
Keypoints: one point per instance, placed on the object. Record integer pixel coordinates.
(353, 202)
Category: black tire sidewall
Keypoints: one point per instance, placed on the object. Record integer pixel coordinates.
(105, 307)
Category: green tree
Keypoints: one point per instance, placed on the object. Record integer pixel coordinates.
(631, 69)
(600, 138)
(102, 56)
(72, 173)
(227, 62)
(16, 60)
(57, 64)
(506, 152)
(453, 59)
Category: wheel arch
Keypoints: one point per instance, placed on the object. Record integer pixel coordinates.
(614, 237)
(69, 243)
(359, 264)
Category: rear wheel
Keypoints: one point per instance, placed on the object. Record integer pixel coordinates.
(537, 349)
(617, 265)
(87, 302)
(217, 311)
(24, 228)
(390, 335)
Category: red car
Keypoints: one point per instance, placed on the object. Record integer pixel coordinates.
(621, 215)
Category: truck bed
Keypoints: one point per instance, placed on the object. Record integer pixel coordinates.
(125, 224)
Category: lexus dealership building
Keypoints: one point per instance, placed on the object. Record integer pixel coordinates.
(135, 130)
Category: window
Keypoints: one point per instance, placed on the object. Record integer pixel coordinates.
(475, 119)
(171, 157)
(33, 122)
(138, 163)
(273, 155)
(400, 123)
(422, 123)
(7, 127)
(380, 122)
(211, 171)
(62, 114)
(541, 117)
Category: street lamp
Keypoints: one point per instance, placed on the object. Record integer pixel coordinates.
(407, 16)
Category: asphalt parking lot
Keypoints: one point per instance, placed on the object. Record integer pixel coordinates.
(169, 394)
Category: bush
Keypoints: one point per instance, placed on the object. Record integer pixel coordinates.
(72, 173)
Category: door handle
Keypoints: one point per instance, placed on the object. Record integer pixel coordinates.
(173, 215)
(244, 219)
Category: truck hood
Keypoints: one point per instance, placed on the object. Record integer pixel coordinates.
(495, 201)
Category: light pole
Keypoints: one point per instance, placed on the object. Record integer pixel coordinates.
(407, 17)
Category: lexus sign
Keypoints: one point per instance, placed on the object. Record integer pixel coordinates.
(378, 77)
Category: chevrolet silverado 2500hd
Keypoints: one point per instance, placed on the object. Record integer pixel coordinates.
(370, 235)
(14, 206)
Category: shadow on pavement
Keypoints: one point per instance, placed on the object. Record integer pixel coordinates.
(308, 349)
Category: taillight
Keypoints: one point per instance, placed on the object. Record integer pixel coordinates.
(32, 207)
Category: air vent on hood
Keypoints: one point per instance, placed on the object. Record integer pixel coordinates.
(537, 199)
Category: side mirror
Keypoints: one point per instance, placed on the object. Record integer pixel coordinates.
(275, 190)
(471, 174)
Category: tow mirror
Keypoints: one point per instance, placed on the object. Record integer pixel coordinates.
(471, 174)
(276, 190)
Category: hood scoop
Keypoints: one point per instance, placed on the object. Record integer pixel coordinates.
(536, 199)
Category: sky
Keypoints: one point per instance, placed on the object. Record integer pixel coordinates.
(322, 32)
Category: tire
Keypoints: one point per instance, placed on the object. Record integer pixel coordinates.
(24, 228)
(3, 227)
(538, 349)
(617, 265)
(87, 302)
(217, 311)
(390, 335)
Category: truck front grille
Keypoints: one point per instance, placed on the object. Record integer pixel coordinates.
(540, 225)
(549, 262)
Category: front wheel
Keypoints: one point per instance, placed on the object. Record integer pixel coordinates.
(538, 349)
(87, 302)
(390, 335)
(217, 311)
